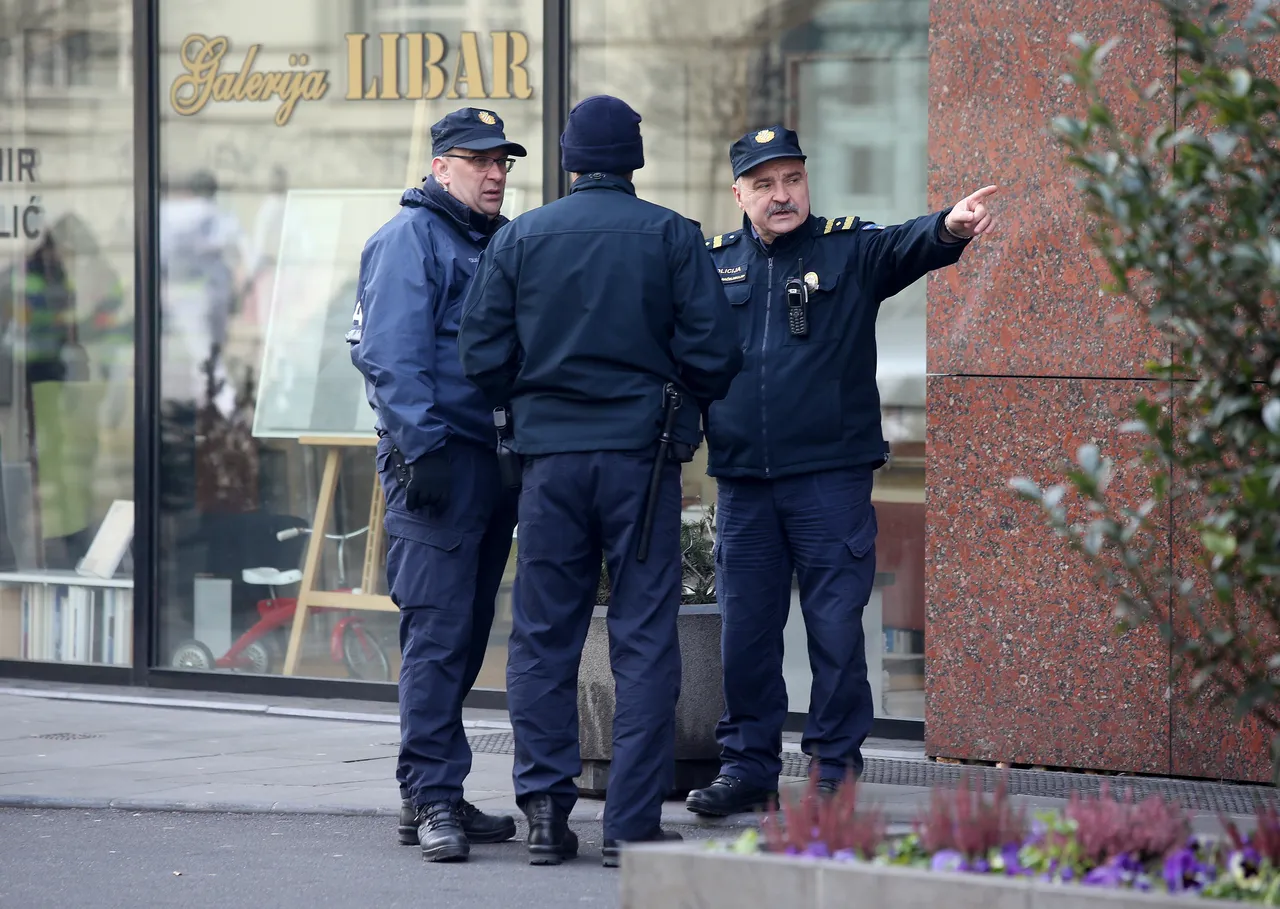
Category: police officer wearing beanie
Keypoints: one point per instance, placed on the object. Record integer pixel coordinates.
(587, 313)
(794, 447)
(449, 520)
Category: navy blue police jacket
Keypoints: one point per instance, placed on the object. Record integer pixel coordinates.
(585, 308)
(404, 335)
(804, 404)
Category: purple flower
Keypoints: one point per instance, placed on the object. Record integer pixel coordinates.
(1184, 872)
(1128, 862)
(817, 850)
(1244, 863)
(981, 866)
(844, 855)
(1068, 873)
(1108, 875)
(1012, 864)
(948, 860)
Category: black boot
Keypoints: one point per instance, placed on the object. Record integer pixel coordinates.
(550, 839)
(440, 833)
(478, 826)
(612, 847)
(728, 795)
(485, 828)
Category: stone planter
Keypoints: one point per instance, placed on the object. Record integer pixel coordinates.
(685, 876)
(697, 711)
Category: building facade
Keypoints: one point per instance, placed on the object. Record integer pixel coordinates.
(186, 190)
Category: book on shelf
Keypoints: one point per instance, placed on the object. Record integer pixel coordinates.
(70, 623)
(903, 641)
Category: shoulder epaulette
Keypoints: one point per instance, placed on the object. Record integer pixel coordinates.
(720, 240)
(845, 222)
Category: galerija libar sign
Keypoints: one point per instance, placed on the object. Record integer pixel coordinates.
(435, 69)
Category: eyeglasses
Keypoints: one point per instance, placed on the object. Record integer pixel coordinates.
(484, 162)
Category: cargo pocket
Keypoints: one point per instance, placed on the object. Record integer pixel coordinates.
(862, 540)
(410, 527)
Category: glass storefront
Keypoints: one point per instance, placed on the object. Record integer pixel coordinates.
(66, 331)
(851, 77)
(286, 134)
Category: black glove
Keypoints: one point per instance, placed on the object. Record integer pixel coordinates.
(428, 482)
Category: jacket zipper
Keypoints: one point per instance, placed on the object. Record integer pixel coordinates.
(764, 344)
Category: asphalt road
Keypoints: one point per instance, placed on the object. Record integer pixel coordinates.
(111, 858)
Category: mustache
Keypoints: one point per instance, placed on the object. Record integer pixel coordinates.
(776, 208)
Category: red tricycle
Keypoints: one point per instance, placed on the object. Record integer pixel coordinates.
(261, 649)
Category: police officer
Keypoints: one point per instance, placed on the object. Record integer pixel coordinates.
(449, 520)
(793, 448)
(590, 315)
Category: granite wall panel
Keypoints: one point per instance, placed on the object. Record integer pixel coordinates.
(1025, 302)
(1022, 660)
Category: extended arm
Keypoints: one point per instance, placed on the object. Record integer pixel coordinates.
(888, 259)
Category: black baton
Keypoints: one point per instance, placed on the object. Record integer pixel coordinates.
(670, 405)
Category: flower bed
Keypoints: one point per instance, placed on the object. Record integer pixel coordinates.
(1097, 842)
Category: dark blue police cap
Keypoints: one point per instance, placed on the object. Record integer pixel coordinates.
(472, 128)
(762, 145)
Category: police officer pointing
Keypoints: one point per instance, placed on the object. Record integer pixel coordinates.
(449, 521)
(794, 447)
(595, 316)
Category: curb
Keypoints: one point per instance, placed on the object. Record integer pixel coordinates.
(160, 805)
(309, 713)
(285, 809)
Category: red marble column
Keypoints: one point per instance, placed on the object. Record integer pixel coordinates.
(1027, 361)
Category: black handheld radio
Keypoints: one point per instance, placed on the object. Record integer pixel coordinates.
(798, 305)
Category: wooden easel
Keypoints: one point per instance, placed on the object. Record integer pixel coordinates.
(308, 595)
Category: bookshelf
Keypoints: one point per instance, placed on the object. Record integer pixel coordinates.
(64, 617)
(80, 616)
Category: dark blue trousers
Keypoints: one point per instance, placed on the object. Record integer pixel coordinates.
(443, 571)
(573, 507)
(822, 526)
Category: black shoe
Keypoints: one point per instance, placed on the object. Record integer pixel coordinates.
(828, 787)
(440, 833)
(611, 847)
(550, 839)
(408, 829)
(728, 795)
(478, 826)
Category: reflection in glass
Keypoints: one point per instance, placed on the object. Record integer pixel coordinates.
(66, 333)
(850, 76)
(267, 433)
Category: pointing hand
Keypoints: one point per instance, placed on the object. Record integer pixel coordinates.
(970, 217)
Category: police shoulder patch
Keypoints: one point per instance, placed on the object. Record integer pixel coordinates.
(720, 240)
(836, 225)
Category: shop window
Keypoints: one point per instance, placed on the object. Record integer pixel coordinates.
(66, 335)
(851, 77)
(263, 216)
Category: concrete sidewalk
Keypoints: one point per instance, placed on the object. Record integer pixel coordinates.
(82, 747)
